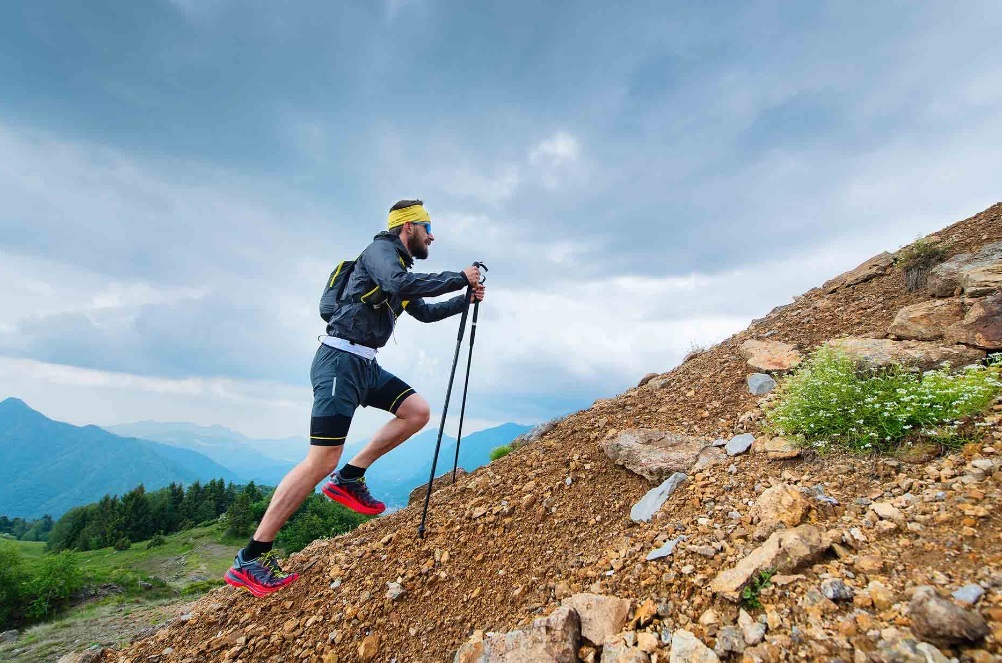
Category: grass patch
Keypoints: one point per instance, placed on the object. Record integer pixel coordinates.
(750, 594)
(500, 452)
(828, 404)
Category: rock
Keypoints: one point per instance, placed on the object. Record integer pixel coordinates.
(537, 433)
(760, 384)
(927, 321)
(369, 648)
(870, 269)
(729, 641)
(665, 550)
(601, 616)
(647, 378)
(975, 274)
(687, 648)
(739, 444)
(981, 327)
(900, 649)
(769, 356)
(651, 503)
(441, 481)
(752, 631)
(887, 511)
(879, 353)
(870, 563)
(616, 651)
(647, 642)
(836, 590)
(394, 591)
(10, 636)
(969, 594)
(942, 623)
(784, 551)
(882, 597)
(781, 504)
(645, 613)
(776, 448)
(654, 455)
(553, 639)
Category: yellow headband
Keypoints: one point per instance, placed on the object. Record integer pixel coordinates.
(412, 214)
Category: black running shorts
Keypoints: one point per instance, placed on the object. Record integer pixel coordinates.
(341, 382)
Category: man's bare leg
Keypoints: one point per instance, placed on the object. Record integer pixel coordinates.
(411, 416)
(295, 487)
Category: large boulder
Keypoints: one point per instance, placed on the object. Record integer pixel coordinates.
(553, 639)
(653, 454)
(928, 320)
(870, 269)
(768, 356)
(441, 481)
(784, 551)
(601, 616)
(878, 353)
(973, 274)
(981, 327)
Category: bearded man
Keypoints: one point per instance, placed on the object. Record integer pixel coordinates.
(345, 374)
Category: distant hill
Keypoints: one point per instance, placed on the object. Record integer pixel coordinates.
(49, 466)
(241, 455)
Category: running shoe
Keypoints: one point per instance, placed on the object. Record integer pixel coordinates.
(353, 494)
(260, 576)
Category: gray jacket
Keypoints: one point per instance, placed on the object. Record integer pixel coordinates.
(381, 287)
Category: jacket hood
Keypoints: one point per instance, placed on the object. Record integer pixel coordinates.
(387, 236)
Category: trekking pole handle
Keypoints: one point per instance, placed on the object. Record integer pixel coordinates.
(481, 266)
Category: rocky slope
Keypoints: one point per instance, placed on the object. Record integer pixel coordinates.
(866, 550)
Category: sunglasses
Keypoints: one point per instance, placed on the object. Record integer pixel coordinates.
(427, 225)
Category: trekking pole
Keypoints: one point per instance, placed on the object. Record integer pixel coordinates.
(445, 409)
(466, 385)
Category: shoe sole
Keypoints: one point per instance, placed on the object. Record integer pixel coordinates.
(332, 492)
(236, 578)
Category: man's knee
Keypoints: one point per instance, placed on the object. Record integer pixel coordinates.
(415, 410)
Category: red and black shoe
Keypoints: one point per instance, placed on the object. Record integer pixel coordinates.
(353, 494)
(260, 576)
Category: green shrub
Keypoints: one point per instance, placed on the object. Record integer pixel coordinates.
(53, 580)
(917, 259)
(11, 564)
(157, 540)
(749, 595)
(828, 404)
(500, 452)
(122, 543)
(201, 587)
(317, 518)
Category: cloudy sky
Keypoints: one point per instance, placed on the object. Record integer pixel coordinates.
(178, 178)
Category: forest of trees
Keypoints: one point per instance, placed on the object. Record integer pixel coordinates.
(26, 530)
(139, 515)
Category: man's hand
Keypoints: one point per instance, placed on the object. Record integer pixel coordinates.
(478, 294)
(472, 274)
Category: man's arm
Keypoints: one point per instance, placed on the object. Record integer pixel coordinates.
(383, 265)
(425, 312)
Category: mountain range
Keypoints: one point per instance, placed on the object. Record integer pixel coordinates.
(49, 466)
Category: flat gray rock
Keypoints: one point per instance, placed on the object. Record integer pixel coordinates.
(739, 444)
(651, 503)
(666, 549)
(760, 384)
(969, 594)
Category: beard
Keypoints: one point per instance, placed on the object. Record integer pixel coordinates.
(417, 247)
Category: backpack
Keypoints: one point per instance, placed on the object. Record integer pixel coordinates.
(330, 300)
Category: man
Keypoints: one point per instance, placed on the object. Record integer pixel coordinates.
(345, 374)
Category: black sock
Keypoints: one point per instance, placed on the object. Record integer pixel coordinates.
(351, 473)
(255, 549)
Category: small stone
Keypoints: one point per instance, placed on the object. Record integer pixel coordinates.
(651, 503)
(10, 636)
(836, 590)
(601, 616)
(760, 384)
(730, 640)
(739, 444)
(969, 594)
(887, 511)
(665, 550)
(394, 591)
(882, 597)
(687, 648)
(369, 648)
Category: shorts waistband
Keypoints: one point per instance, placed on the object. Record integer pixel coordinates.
(354, 348)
